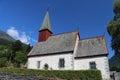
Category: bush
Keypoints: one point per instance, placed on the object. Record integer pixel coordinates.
(63, 74)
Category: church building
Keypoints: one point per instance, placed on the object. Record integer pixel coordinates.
(67, 51)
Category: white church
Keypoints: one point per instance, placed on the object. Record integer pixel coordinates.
(67, 51)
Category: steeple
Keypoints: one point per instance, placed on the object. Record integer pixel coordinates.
(46, 23)
(45, 29)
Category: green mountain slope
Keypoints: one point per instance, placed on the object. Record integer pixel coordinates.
(4, 35)
(5, 39)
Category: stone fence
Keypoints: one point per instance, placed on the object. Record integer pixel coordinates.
(114, 75)
(9, 76)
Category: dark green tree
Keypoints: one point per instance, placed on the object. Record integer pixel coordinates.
(3, 62)
(113, 28)
(3, 55)
(4, 51)
(28, 48)
(14, 54)
(20, 58)
(16, 46)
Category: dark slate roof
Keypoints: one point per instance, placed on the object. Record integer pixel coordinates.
(91, 47)
(54, 44)
(46, 23)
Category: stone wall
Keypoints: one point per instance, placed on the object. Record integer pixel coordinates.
(9, 76)
(114, 75)
(117, 76)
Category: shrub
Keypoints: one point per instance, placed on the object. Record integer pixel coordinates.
(63, 74)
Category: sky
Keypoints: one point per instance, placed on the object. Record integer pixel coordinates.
(22, 18)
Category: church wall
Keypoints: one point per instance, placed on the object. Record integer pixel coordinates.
(52, 61)
(101, 64)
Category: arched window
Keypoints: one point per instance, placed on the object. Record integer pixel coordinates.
(46, 66)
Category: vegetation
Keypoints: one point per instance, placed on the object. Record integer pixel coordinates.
(115, 68)
(14, 54)
(113, 29)
(5, 42)
(115, 63)
(66, 74)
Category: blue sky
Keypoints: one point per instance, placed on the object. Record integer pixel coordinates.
(23, 18)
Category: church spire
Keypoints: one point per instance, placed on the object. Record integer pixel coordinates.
(46, 23)
(45, 30)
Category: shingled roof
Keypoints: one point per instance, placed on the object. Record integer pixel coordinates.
(65, 42)
(46, 23)
(55, 44)
(92, 47)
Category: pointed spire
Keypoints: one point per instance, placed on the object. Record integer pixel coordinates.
(46, 23)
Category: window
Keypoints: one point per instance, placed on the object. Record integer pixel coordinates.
(46, 66)
(38, 64)
(61, 63)
(92, 65)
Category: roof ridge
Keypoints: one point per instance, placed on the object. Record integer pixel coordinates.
(93, 37)
(65, 33)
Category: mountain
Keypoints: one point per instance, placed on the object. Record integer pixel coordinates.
(5, 39)
(4, 35)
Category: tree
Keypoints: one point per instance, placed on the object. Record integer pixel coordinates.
(4, 51)
(113, 28)
(14, 55)
(3, 54)
(3, 62)
(20, 58)
(28, 48)
(16, 46)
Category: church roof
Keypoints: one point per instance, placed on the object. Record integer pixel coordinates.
(91, 47)
(55, 44)
(62, 43)
(46, 23)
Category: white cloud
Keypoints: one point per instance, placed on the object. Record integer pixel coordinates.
(13, 32)
(22, 37)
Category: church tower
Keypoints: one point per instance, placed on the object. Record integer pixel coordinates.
(45, 29)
